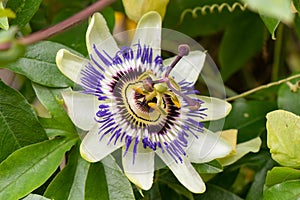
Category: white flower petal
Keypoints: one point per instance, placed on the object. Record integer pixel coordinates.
(139, 168)
(207, 147)
(216, 108)
(188, 68)
(81, 108)
(230, 135)
(241, 150)
(93, 149)
(148, 32)
(184, 172)
(70, 64)
(98, 34)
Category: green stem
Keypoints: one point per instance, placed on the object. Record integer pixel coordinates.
(262, 87)
(62, 26)
(277, 53)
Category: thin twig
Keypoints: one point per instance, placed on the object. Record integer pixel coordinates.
(263, 87)
(62, 26)
(278, 50)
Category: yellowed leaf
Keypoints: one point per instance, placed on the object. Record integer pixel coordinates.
(283, 137)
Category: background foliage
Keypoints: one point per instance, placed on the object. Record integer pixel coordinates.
(252, 42)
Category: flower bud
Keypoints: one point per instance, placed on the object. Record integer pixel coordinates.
(136, 9)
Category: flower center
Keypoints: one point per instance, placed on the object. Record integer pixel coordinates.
(153, 93)
(142, 103)
(166, 86)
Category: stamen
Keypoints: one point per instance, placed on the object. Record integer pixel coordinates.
(192, 104)
(183, 50)
(155, 87)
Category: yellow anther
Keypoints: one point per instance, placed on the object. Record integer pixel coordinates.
(150, 96)
(145, 75)
(157, 89)
(157, 108)
(140, 90)
(159, 98)
(175, 100)
(174, 83)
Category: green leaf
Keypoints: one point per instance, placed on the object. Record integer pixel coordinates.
(29, 167)
(27, 91)
(281, 174)
(249, 118)
(169, 186)
(215, 192)
(70, 182)
(117, 183)
(24, 10)
(38, 64)
(210, 167)
(283, 137)
(255, 161)
(166, 192)
(297, 26)
(233, 176)
(279, 9)
(181, 190)
(289, 100)
(288, 190)
(183, 15)
(52, 100)
(18, 123)
(109, 15)
(271, 24)
(74, 37)
(82, 180)
(96, 188)
(35, 197)
(154, 193)
(256, 190)
(240, 42)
